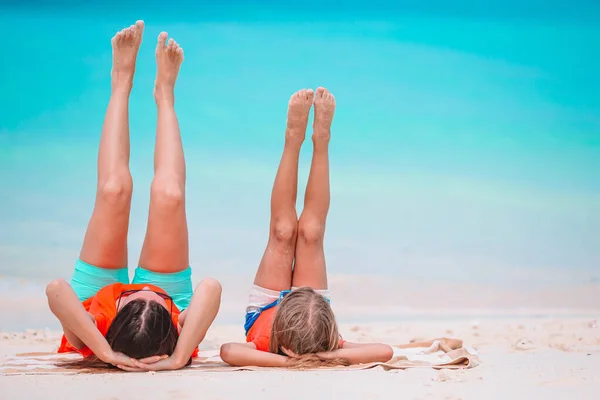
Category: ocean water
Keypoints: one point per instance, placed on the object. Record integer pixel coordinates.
(466, 143)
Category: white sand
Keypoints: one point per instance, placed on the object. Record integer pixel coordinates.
(534, 343)
(521, 359)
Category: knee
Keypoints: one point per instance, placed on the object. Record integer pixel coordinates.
(311, 230)
(116, 190)
(285, 230)
(167, 193)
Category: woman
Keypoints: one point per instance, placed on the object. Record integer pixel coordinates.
(289, 322)
(156, 322)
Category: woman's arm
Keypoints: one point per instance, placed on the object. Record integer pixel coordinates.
(78, 325)
(362, 353)
(80, 328)
(245, 354)
(197, 318)
(194, 322)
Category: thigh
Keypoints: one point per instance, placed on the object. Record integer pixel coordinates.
(310, 268)
(105, 242)
(166, 247)
(275, 268)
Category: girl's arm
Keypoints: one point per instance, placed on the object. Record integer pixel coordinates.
(79, 327)
(245, 354)
(362, 353)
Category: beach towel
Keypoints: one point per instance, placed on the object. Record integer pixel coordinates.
(437, 354)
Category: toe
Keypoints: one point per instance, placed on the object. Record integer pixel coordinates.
(162, 38)
(140, 26)
(310, 94)
(320, 91)
(170, 44)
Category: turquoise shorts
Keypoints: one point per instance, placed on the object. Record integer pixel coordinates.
(88, 279)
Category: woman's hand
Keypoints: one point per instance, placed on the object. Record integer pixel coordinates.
(156, 363)
(126, 363)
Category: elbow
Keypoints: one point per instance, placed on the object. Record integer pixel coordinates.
(53, 290)
(226, 352)
(210, 285)
(387, 353)
(55, 287)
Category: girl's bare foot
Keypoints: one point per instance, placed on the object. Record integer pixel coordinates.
(169, 57)
(324, 110)
(125, 46)
(297, 118)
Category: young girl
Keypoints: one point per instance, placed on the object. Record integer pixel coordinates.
(289, 322)
(156, 322)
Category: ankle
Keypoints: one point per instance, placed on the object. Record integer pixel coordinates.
(122, 77)
(164, 94)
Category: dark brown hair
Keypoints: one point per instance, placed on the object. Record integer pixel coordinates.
(140, 329)
(304, 323)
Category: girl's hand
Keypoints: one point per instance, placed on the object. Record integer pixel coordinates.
(289, 353)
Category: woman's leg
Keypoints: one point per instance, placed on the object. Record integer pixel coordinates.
(165, 248)
(105, 243)
(275, 269)
(309, 268)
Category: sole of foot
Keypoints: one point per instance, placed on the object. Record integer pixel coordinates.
(297, 117)
(324, 111)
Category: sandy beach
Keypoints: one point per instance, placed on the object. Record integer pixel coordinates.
(536, 350)
(555, 358)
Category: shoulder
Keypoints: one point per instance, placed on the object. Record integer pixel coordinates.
(261, 343)
(111, 290)
(104, 302)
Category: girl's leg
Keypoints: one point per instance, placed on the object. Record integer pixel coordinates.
(309, 269)
(105, 243)
(275, 269)
(165, 248)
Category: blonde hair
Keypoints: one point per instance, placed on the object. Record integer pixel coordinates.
(305, 324)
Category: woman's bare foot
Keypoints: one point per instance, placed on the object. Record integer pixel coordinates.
(324, 110)
(169, 57)
(125, 46)
(297, 118)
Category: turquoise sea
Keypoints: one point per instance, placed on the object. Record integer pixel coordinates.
(466, 143)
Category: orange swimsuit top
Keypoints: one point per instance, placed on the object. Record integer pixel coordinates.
(260, 333)
(103, 308)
